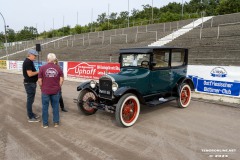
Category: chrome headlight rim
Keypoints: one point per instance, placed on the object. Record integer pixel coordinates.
(93, 84)
(114, 86)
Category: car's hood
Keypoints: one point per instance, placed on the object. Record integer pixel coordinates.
(129, 75)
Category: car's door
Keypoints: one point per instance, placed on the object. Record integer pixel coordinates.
(160, 73)
(178, 66)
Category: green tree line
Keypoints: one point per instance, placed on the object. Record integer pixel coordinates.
(171, 12)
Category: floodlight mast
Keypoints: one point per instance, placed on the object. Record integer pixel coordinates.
(5, 30)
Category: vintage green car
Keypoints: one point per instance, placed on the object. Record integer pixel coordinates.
(148, 75)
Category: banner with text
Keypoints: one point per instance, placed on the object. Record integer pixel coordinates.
(223, 80)
(91, 70)
(3, 64)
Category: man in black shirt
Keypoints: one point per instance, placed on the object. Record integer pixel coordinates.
(30, 78)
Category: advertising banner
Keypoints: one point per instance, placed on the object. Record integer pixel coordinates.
(37, 65)
(19, 65)
(3, 64)
(91, 70)
(221, 80)
(13, 65)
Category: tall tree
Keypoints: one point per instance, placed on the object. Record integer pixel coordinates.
(228, 6)
(102, 18)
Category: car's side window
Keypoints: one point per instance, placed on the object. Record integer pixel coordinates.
(177, 58)
(140, 60)
(161, 59)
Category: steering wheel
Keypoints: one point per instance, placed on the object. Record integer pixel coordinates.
(145, 63)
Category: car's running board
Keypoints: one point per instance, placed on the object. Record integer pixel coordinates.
(160, 101)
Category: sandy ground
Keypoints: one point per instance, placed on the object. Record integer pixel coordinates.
(200, 132)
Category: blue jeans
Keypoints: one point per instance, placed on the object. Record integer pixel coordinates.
(31, 91)
(54, 100)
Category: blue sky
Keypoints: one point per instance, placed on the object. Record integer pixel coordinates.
(44, 13)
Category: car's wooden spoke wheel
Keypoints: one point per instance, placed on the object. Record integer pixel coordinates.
(184, 96)
(83, 102)
(127, 110)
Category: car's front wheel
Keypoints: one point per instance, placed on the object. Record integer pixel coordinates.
(184, 96)
(84, 98)
(127, 110)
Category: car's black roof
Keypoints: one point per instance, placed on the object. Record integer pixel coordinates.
(147, 49)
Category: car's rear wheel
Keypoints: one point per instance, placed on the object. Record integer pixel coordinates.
(127, 110)
(84, 98)
(185, 95)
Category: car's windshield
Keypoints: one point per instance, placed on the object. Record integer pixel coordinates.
(140, 60)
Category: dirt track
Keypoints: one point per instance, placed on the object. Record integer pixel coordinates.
(161, 133)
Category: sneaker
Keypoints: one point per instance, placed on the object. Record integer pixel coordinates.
(45, 126)
(36, 116)
(64, 110)
(33, 120)
(56, 124)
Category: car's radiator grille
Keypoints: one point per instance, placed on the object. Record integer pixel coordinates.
(105, 88)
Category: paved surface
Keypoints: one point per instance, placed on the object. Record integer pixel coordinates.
(200, 132)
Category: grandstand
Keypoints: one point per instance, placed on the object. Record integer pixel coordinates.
(215, 42)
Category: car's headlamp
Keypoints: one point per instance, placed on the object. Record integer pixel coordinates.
(114, 86)
(93, 84)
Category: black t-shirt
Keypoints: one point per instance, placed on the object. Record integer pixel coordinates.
(28, 65)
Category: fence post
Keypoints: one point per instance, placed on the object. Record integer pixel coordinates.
(211, 22)
(164, 28)
(83, 40)
(218, 32)
(156, 35)
(103, 38)
(110, 57)
(200, 33)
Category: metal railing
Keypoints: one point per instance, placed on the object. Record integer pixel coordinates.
(226, 24)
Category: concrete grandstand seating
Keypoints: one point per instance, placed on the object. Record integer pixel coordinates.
(205, 45)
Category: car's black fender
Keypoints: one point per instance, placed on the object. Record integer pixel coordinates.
(83, 86)
(176, 89)
(189, 82)
(86, 86)
(124, 90)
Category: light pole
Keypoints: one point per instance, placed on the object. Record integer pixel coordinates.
(63, 26)
(182, 9)
(108, 15)
(128, 13)
(77, 18)
(202, 12)
(36, 32)
(53, 29)
(5, 29)
(152, 11)
(92, 20)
